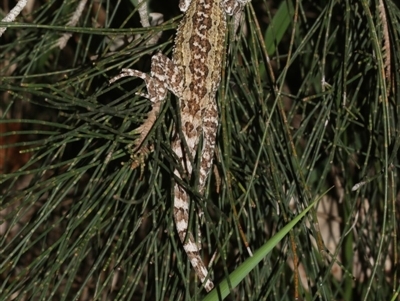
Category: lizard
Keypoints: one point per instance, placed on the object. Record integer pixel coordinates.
(193, 75)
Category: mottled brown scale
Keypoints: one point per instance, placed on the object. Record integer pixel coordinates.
(199, 45)
(193, 75)
(198, 54)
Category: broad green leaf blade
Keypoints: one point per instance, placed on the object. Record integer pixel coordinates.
(279, 25)
(244, 269)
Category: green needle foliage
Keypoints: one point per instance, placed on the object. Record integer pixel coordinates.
(309, 100)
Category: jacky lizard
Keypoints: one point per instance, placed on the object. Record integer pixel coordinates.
(193, 75)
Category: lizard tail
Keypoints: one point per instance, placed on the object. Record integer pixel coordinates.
(181, 215)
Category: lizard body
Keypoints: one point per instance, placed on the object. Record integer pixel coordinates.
(193, 75)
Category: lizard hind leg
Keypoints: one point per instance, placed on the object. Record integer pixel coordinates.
(157, 84)
(210, 128)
